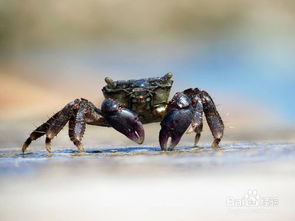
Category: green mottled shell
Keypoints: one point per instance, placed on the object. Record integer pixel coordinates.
(156, 91)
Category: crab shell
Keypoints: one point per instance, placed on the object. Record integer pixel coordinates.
(146, 97)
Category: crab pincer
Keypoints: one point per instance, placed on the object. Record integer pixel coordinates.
(177, 120)
(123, 120)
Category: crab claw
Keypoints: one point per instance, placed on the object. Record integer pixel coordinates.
(176, 121)
(123, 120)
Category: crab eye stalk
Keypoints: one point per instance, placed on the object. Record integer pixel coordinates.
(110, 82)
(168, 76)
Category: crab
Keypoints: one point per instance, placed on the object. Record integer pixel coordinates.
(128, 105)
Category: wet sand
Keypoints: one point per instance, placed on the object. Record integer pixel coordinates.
(143, 183)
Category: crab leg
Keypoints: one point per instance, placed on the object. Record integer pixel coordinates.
(81, 112)
(53, 126)
(213, 118)
(77, 126)
(197, 122)
(75, 112)
(38, 132)
(187, 108)
(86, 114)
(58, 123)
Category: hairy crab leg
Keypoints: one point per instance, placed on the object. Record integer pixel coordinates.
(213, 118)
(75, 113)
(52, 126)
(197, 122)
(77, 128)
(81, 112)
(186, 108)
(60, 121)
(86, 114)
(38, 132)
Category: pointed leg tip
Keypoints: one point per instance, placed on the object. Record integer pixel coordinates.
(80, 148)
(197, 139)
(215, 143)
(24, 147)
(48, 148)
(48, 144)
(26, 144)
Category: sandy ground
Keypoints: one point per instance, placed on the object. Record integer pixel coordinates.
(239, 181)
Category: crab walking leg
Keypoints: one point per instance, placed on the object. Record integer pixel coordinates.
(81, 112)
(38, 132)
(53, 126)
(197, 122)
(77, 128)
(213, 118)
(86, 114)
(59, 122)
(77, 122)
(74, 112)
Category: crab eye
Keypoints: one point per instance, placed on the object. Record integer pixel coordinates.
(148, 99)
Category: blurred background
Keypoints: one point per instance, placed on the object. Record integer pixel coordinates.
(240, 51)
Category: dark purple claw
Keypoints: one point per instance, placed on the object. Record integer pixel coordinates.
(123, 120)
(176, 121)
